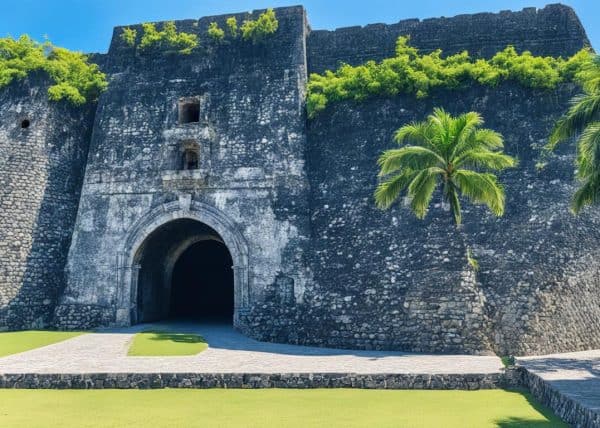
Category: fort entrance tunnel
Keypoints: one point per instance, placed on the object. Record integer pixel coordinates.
(184, 272)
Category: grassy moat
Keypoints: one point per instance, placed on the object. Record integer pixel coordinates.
(271, 408)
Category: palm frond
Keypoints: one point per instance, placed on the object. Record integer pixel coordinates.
(389, 190)
(587, 194)
(588, 151)
(465, 124)
(485, 159)
(584, 110)
(479, 139)
(418, 133)
(411, 157)
(441, 125)
(481, 188)
(489, 139)
(420, 190)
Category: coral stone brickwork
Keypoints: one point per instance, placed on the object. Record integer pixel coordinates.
(216, 145)
(43, 150)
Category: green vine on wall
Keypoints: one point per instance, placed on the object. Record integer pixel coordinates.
(129, 35)
(75, 79)
(410, 72)
(167, 39)
(215, 32)
(257, 30)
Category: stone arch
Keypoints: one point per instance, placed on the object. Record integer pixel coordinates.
(184, 208)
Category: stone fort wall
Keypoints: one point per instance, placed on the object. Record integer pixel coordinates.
(319, 264)
(43, 150)
(251, 179)
(399, 281)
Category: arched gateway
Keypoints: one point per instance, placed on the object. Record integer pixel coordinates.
(183, 259)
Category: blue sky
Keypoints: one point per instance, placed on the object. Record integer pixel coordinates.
(86, 25)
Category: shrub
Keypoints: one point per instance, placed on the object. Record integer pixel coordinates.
(258, 30)
(128, 35)
(75, 79)
(168, 39)
(410, 72)
(232, 26)
(215, 32)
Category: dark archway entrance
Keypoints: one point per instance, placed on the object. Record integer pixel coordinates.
(185, 272)
(202, 283)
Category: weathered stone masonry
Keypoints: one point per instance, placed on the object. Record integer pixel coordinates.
(314, 261)
(43, 149)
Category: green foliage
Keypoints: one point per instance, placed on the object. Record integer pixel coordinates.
(583, 120)
(539, 166)
(258, 30)
(508, 360)
(75, 79)
(128, 35)
(168, 39)
(255, 30)
(232, 27)
(215, 32)
(410, 72)
(472, 260)
(453, 152)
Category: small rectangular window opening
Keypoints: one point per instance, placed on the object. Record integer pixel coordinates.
(190, 159)
(189, 112)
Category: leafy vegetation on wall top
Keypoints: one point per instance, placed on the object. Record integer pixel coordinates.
(410, 72)
(129, 35)
(167, 40)
(215, 32)
(76, 80)
(256, 30)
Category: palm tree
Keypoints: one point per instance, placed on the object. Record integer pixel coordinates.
(452, 151)
(583, 119)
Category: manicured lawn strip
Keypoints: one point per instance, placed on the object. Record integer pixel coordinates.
(166, 343)
(271, 408)
(13, 342)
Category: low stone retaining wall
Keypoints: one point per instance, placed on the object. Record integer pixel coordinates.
(566, 408)
(249, 380)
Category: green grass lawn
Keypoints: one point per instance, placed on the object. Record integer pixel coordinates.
(166, 343)
(271, 408)
(14, 342)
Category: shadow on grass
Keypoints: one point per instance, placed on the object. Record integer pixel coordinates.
(526, 423)
(552, 421)
(176, 337)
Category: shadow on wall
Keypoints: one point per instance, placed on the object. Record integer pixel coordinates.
(47, 164)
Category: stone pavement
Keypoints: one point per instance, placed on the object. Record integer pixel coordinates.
(569, 383)
(231, 352)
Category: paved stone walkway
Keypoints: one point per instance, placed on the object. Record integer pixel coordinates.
(231, 352)
(575, 375)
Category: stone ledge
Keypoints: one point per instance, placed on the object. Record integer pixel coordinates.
(566, 408)
(251, 380)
